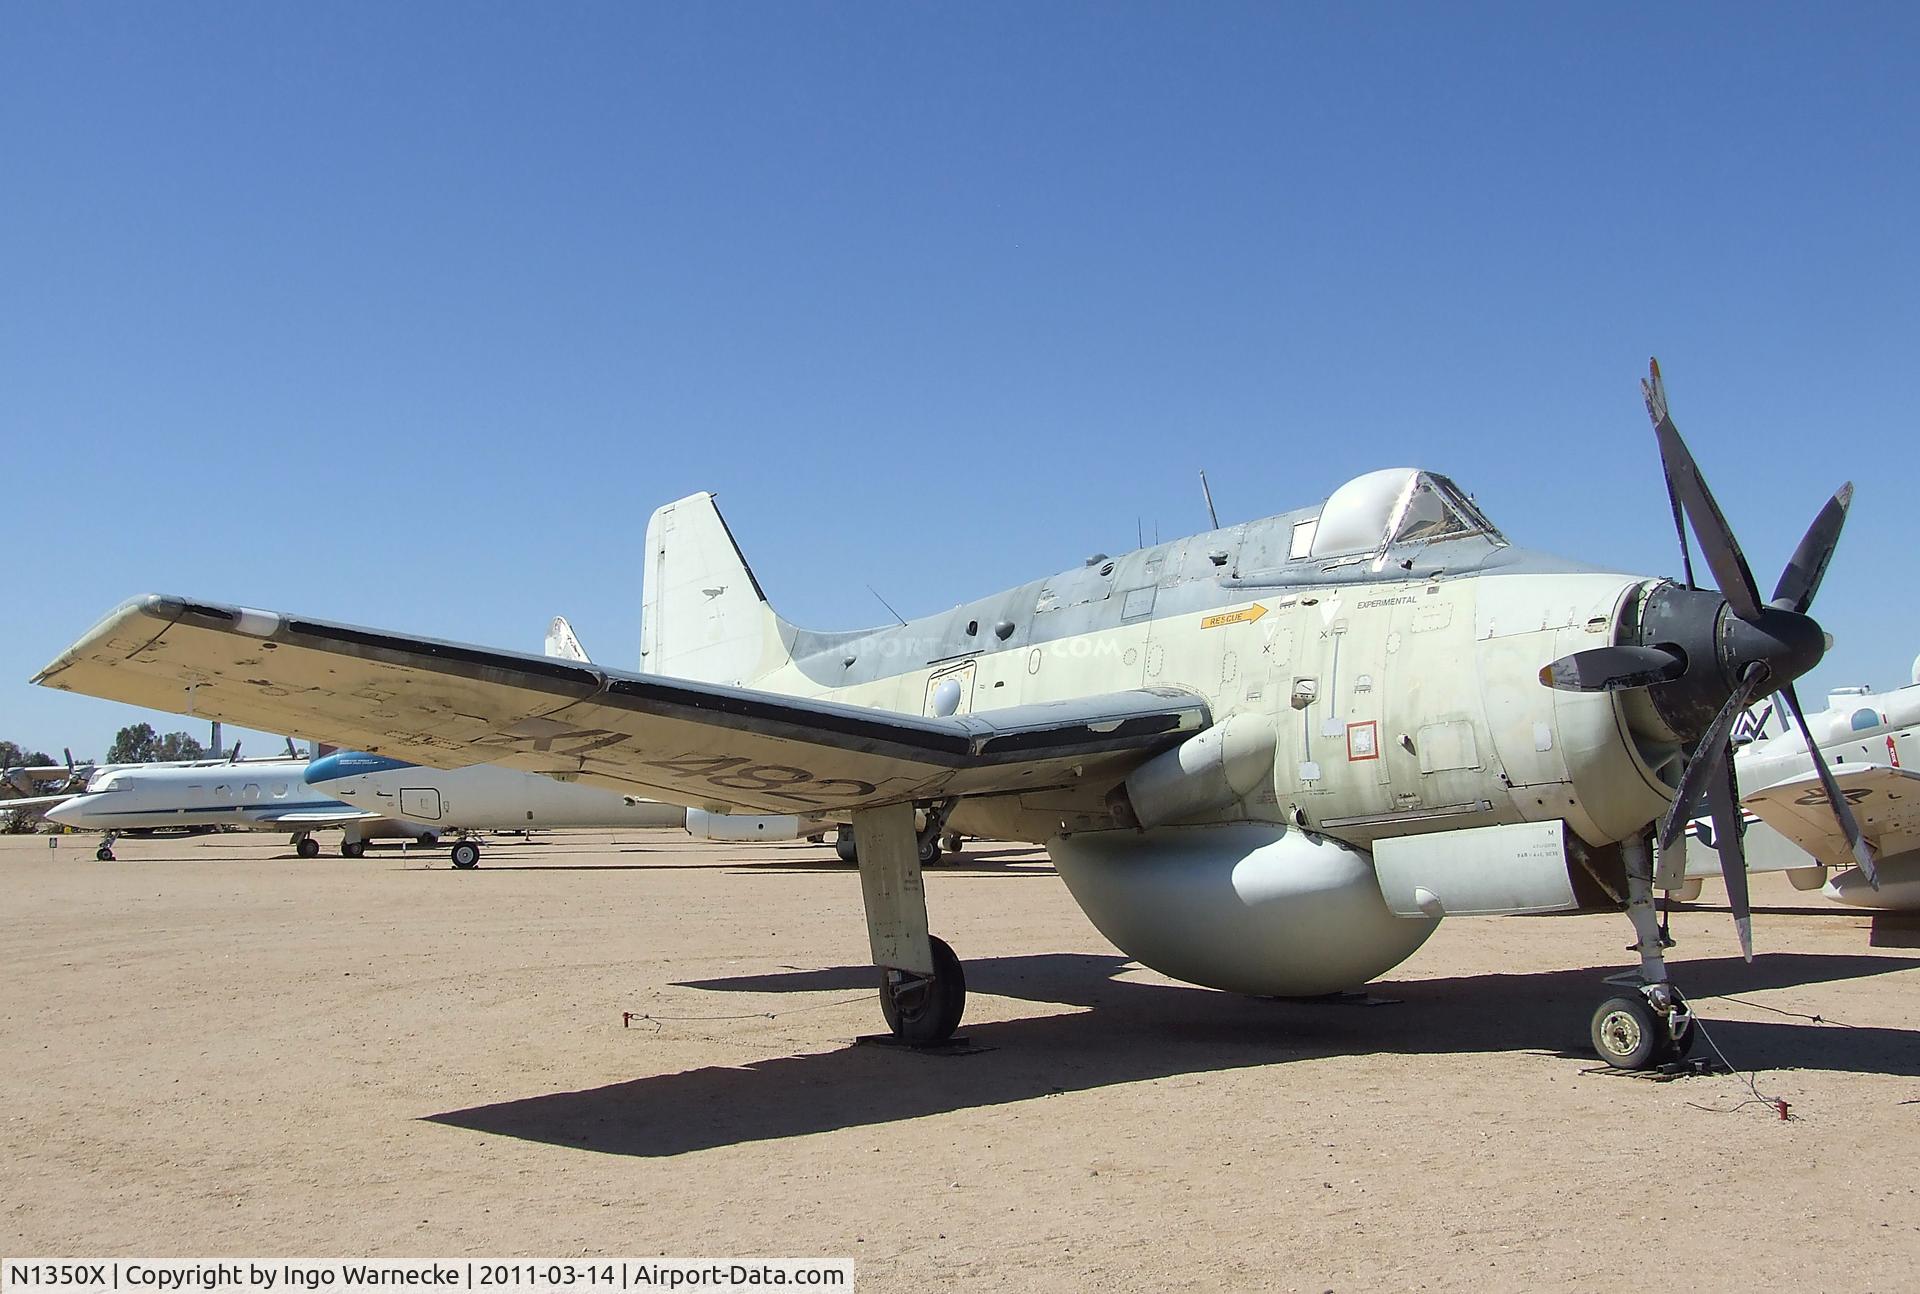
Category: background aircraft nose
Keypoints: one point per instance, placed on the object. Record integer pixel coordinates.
(348, 763)
(73, 813)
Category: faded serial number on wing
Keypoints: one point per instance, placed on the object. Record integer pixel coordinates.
(774, 781)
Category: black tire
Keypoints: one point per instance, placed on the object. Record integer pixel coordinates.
(843, 846)
(929, 1011)
(952, 842)
(103, 854)
(929, 842)
(308, 848)
(353, 848)
(466, 855)
(428, 841)
(1627, 1034)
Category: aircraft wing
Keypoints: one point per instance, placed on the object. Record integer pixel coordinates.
(318, 817)
(1885, 799)
(449, 705)
(35, 801)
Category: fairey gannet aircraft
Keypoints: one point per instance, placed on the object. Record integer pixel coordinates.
(1871, 742)
(1269, 758)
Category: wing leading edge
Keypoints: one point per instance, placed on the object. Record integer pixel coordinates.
(450, 704)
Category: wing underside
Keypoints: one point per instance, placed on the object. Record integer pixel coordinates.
(1885, 800)
(449, 705)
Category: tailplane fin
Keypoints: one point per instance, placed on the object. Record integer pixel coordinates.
(563, 643)
(703, 616)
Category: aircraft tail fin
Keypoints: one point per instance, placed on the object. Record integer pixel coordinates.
(564, 644)
(703, 615)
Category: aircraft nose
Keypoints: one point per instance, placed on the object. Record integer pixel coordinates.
(72, 813)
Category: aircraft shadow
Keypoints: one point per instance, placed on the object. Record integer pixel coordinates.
(1122, 1031)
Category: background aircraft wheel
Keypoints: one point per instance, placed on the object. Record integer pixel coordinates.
(466, 855)
(104, 854)
(1627, 1034)
(952, 841)
(307, 848)
(843, 846)
(428, 841)
(352, 848)
(928, 1011)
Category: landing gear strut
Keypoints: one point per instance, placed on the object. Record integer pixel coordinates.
(923, 990)
(1649, 1024)
(105, 852)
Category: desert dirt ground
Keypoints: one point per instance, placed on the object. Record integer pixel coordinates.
(211, 1048)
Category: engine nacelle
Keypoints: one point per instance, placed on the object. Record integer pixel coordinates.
(1208, 772)
(702, 825)
(1250, 908)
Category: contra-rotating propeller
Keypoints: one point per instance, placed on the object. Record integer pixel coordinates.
(1703, 653)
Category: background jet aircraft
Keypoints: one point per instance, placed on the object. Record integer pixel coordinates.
(1872, 742)
(488, 797)
(1269, 758)
(262, 795)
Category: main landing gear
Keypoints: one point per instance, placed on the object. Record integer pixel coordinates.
(923, 990)
(353, 849)
(306, 846)
(1649, 1023)
(105, 852)
(466, 854)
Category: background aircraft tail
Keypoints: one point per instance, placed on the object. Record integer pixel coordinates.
(563, 643)
(703, 615)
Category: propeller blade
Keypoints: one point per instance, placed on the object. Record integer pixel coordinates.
(1849, 826)
(1717, 543)
(1801, 580)
(1613, 669)
(1712, 751)
(1729, 828)
(1655, 392)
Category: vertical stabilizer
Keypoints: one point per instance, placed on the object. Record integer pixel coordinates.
(703, 616)
(563, 643)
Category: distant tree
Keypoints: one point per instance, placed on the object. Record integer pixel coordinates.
(14, 756)
(140, 744)
(177, 745)
(134, 744)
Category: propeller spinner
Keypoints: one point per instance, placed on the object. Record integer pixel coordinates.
(1704, 656)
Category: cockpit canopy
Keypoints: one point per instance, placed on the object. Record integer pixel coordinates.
(1397, 505)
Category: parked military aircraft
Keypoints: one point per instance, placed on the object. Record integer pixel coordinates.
(1871, 740)
(1268, 758)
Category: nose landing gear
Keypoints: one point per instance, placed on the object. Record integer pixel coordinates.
(1649, 1023)
(105, 852)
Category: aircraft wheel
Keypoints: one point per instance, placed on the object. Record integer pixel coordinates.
(922, 1012)
(1628, 1034)
(929, 842)
(353, 848)
(428, 841)
(844, 847)
(466, 855)
(952, 841)
(307, 847)
(104, 854)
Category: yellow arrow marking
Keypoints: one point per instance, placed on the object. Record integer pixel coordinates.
(1246, 615)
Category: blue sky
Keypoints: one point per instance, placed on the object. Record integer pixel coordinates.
(410, 314)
